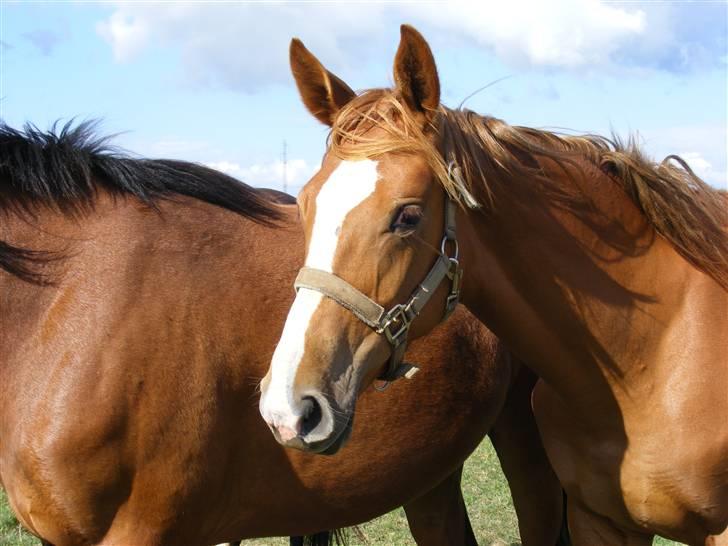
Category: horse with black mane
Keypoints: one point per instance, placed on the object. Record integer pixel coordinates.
(140, 303)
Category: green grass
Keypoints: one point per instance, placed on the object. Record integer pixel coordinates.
(11, 533)
(484, 488)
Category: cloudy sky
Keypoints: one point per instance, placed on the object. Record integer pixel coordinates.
(209, 82)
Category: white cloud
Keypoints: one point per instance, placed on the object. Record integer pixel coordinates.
(564, 33)
(703, 147)
(240, 46)
(697, 162)
(227, 167)
(705, 170)
(126, 32)
(269, 175)
(244, 46)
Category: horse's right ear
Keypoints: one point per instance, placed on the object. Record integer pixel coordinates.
(323, 93)
(415, 73)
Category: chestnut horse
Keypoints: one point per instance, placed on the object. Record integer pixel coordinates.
(605, 273)
(140, 303)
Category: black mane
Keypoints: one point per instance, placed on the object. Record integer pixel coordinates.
(64, 169)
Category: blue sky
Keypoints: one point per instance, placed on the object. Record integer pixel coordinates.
(209, 82)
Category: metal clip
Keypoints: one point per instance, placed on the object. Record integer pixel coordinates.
(455, 274)
(445, 240)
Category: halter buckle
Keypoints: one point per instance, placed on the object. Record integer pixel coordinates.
(400, 315)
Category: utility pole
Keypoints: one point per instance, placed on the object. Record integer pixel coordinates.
(285, 167)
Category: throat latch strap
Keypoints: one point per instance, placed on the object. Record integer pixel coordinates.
(394, 324)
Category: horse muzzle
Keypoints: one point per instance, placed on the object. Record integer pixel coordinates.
(312, 424)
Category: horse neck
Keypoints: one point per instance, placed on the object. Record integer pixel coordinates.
(574, 289)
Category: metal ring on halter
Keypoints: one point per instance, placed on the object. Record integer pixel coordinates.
(442, 248)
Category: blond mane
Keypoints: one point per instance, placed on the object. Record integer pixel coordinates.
(682, 208)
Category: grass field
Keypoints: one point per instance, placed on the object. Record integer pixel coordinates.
(484, 488)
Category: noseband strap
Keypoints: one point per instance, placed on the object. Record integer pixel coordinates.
(394, 323)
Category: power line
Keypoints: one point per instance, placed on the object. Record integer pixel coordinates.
(285, 167)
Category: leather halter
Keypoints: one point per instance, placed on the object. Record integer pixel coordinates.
(394, 324)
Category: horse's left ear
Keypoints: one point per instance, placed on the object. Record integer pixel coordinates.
(415, 73)
(323, 93)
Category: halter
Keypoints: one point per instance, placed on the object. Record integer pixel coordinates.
(394, 324)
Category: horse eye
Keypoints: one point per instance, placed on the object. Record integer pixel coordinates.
(407, 218)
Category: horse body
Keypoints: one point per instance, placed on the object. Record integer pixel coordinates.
(129, 391)
(605, 273)
(122, 361)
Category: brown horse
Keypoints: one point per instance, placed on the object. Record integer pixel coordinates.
(606, 273)
(140, 303)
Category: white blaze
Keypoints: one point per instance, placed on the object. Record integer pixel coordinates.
(350, 184)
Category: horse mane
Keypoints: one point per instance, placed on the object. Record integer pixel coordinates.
(65, 168)
(691, 215)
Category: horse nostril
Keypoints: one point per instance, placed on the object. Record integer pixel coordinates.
(311, 417)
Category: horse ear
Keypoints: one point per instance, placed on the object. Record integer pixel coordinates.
(323, 93)
(415, 73)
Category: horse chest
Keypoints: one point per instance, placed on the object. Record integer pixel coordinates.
(647, 479)
(674, 479)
